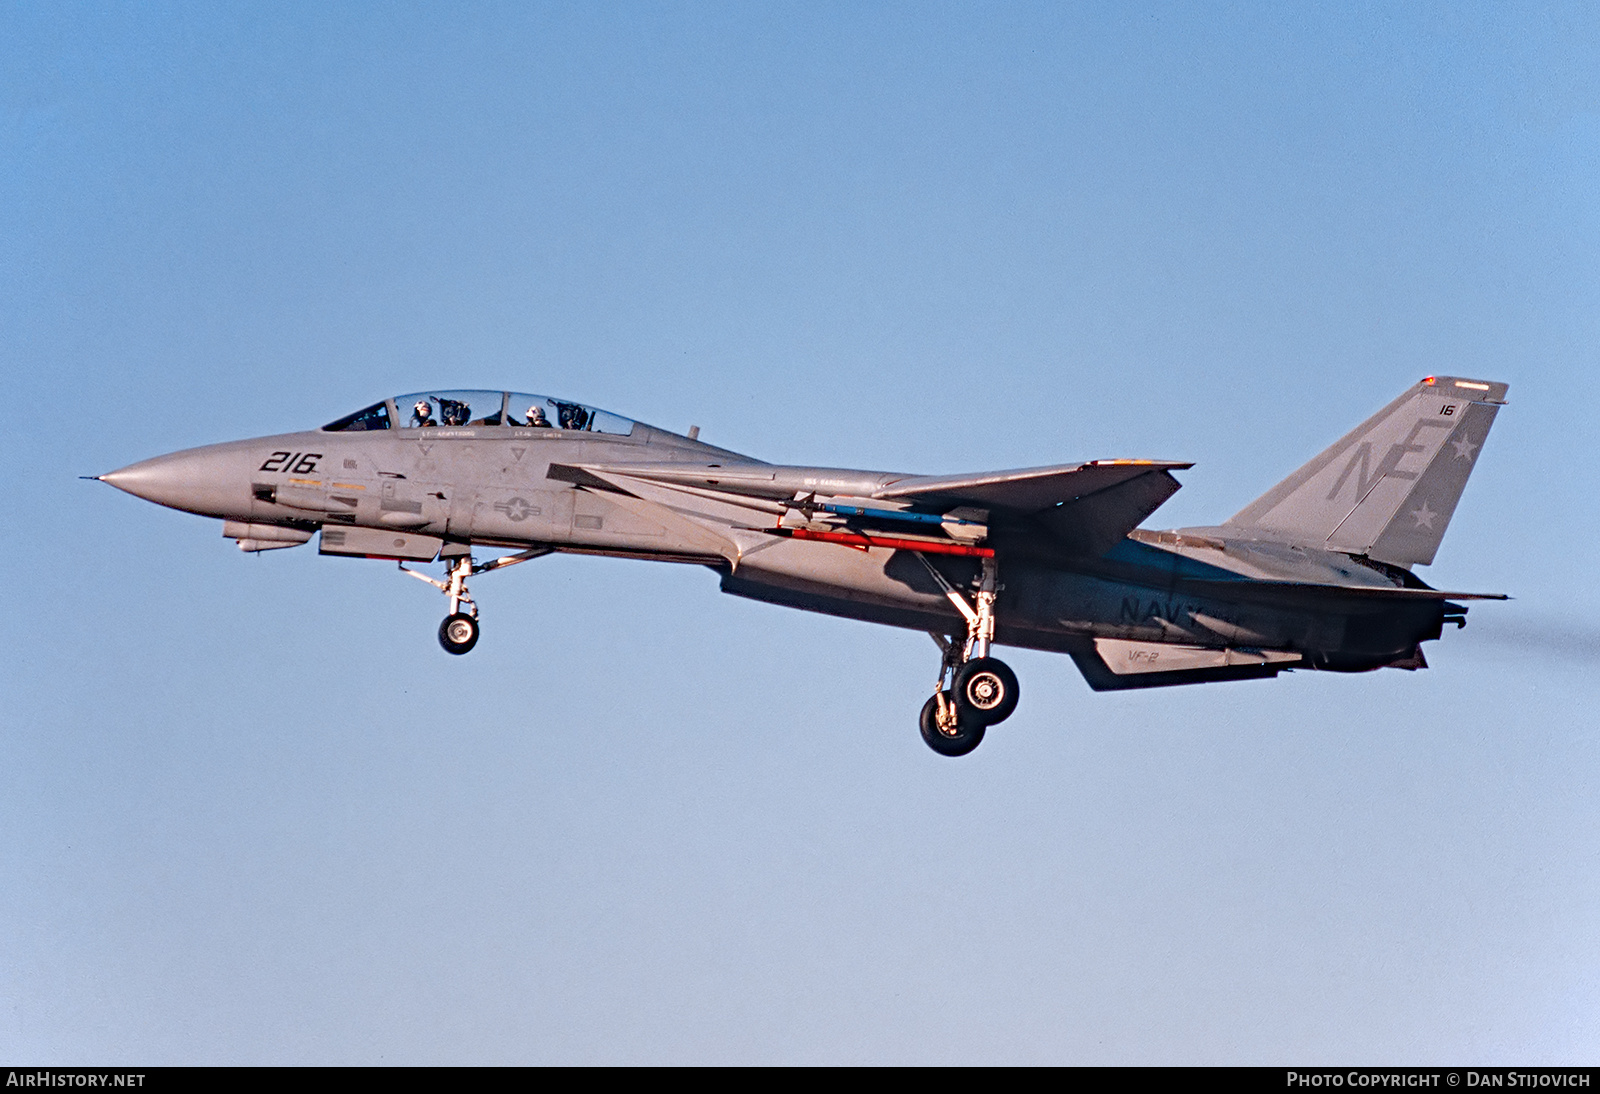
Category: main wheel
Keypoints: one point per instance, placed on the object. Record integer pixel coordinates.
(985, 691)
(458, 633)
(958, 740)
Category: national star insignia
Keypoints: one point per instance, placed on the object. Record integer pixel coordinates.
(1424, 516)
(1464, 448)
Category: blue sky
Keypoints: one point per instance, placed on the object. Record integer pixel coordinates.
(249, 812)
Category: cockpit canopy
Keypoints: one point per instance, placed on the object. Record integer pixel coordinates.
(476, 409)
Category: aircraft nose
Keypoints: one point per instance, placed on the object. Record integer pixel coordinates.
(200, 480)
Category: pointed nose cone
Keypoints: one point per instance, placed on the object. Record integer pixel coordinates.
(213, 481)
(160, 480)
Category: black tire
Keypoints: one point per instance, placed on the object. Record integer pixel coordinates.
(963, 739)
(985, 691)
(458, 633)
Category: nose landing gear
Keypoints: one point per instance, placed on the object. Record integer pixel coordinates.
(459, 631)
(982, 690)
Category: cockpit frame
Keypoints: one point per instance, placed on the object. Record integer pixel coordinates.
(453, 411)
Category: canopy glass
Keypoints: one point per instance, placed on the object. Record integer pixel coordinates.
(475, 409)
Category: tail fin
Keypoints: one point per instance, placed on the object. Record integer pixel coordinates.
(1387, 488)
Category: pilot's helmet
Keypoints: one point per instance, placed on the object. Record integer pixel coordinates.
(423, 409)
(535, 414)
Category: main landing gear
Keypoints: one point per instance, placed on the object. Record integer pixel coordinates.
(982, 690)
(459, 631)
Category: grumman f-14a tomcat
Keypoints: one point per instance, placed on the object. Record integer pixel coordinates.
(1314, 574)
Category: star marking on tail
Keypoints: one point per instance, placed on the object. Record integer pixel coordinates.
(1424, 516)
(1465, 448)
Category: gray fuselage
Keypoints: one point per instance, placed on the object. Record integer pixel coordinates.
(505, 487)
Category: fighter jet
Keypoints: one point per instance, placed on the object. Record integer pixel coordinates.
(1314, 574)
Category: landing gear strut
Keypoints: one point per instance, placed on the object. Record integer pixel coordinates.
(982, 690)
(459, 631)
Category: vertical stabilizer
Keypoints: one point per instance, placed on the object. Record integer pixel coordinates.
(1387, 488)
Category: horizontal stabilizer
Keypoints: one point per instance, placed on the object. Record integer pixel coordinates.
(1388, 488)
(1311, 591)
(1027, 490)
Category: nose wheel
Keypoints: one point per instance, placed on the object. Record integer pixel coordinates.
(459, 631)
(974, 691)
